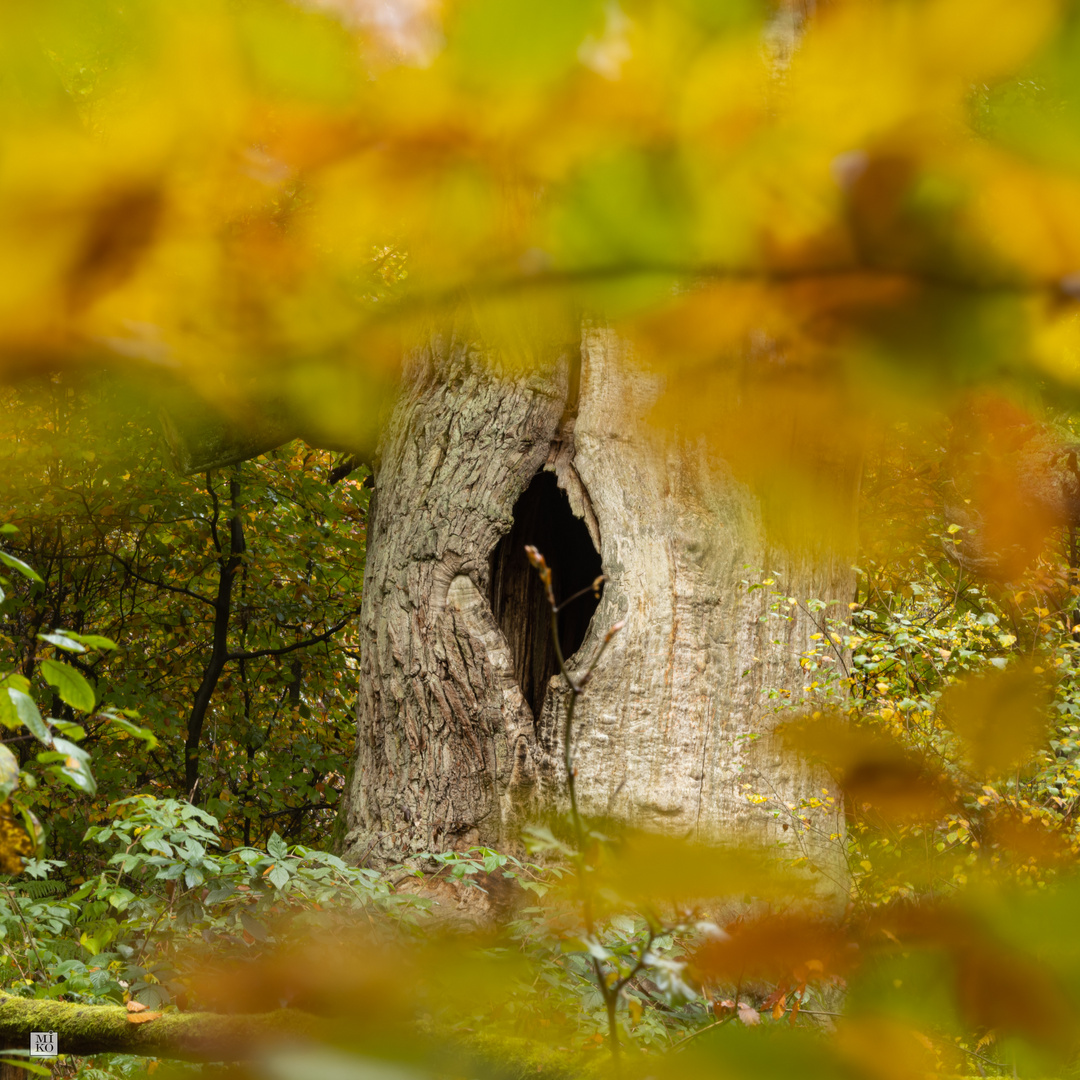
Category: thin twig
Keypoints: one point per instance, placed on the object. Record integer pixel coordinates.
(701, 1031)
(608, 991)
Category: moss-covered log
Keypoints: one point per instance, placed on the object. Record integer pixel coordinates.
(99, 1029)
(85, 1030)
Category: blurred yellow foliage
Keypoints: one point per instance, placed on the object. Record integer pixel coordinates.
(214, 187)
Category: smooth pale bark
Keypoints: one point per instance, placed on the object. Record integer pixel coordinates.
(675, 723)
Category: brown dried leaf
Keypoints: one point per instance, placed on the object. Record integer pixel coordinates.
(776, 947)
(136, 1007)
(748, 1015)
(1010, 475)
(143, 1017)
(1030, 838)
(119, 232)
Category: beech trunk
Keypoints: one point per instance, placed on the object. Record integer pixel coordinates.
(460, 705)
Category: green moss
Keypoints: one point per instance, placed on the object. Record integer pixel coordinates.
(95, 1029)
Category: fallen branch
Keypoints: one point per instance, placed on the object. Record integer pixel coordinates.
(84, 1030)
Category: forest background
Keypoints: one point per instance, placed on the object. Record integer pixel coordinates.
(883, 194)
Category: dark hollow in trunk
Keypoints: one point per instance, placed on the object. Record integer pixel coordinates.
(543, 518)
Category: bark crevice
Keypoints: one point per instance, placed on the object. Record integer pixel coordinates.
(544, 518)
(460, 710)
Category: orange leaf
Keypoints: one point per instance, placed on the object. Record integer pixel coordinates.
(136, 1006)
(143, 1017)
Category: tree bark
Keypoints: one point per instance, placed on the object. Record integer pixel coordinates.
(446, 744)
(459, 712)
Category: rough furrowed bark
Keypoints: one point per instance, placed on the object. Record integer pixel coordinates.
(84, 1030)
(444, 734)
(674, 729)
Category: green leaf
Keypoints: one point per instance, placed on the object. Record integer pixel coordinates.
(8, 715)
(17, 564)
(126, 725)
(623, 209)
(79, 778)
(91, 641)
(72, 687)
(74, 732)
(727, 16)
(29, 715)
(9, 772)
(276, 846)
(62, 641)
(75, 769)
(537, 887)
(279, 877)
(121, 899)
(26, 1066)
(521, 41)
(34, 829)
(253, 927)
(295, 53)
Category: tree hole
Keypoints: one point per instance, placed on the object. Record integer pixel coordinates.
(543, 518)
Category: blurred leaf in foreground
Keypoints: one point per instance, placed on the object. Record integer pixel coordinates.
(1002, 716)
(877, 774)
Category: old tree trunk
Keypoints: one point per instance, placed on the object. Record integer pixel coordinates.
(460, 702)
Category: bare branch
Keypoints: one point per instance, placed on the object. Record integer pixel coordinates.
(251, 654)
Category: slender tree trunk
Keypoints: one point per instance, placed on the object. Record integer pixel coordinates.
(229, 563)
(459, 711)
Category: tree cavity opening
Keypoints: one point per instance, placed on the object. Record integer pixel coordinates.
(543, 518)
